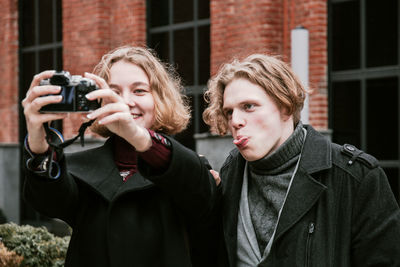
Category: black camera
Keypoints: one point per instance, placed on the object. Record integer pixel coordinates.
(73, 90)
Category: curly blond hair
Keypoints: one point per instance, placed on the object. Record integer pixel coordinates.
(172, 111)
(269, 72)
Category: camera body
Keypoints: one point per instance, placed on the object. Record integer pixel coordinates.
(73, 90)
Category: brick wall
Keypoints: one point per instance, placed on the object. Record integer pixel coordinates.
(238, 28)
(93, 27)
(312, 14)
(128, 22)
(242, 27)
(9, 71)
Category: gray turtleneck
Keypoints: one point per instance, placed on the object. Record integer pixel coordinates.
(268, 183)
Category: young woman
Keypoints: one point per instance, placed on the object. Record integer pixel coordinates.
(141, 199)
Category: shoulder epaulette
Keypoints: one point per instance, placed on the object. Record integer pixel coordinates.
(357, 154)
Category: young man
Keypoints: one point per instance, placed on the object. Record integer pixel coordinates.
(290, 196)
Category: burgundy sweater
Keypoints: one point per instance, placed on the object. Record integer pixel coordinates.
(125, 155)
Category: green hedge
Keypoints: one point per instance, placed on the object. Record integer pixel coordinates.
(36, 245)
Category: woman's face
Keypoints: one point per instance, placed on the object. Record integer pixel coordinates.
(131, 83)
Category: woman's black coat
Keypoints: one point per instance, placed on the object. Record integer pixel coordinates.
(150, 220)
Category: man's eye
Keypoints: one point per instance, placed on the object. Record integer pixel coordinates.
(228, 113)
(248, 106)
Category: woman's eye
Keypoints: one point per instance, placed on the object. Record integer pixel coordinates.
(139, 91)
(116, 91)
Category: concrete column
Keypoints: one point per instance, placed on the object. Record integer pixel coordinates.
(300, 65)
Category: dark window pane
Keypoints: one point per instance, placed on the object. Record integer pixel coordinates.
(28, 70)
(59, 20)
(46, 60)
(27, 16)
(46, 21)
(393, 177)
(59, 63)
(160, 43)
(186, 137)
(204, 54)
(184, 53)
(346, 113)
(346, 35)
(204, 9)
(183, 10)
(159, 14)
(383, 133)
(382, 32)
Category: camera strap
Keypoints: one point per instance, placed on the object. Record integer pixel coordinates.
(57, 144)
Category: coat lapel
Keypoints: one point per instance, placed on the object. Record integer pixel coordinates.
(97, 169)
(136, 182)
(305, 190)
(232, 182)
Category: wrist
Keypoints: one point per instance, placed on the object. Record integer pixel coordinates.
(141, 140)
(36, 147)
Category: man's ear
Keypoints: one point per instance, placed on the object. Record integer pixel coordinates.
(285, 114)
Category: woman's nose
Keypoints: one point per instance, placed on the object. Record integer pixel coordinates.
(128, 98)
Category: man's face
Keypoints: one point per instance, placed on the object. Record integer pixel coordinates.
(257, 124)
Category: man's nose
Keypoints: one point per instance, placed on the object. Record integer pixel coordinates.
(237, 119)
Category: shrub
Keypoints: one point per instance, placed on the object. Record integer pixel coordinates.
(37, 246)
(9, 258)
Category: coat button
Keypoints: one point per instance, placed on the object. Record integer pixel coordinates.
(349, 148)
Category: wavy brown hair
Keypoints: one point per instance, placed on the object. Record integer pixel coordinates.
(172, 112)
(269, 72)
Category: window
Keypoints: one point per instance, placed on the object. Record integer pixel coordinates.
(364, 79)
(40, 49)
(179, 31)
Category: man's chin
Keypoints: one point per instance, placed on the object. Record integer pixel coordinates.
(100, 129)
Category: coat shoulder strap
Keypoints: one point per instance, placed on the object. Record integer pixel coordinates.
(356, 154)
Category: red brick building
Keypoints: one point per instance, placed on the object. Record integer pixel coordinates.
(354, 60)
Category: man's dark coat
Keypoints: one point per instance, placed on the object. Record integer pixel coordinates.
(340, 210)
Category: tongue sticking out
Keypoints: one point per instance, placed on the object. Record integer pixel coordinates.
(241, 141)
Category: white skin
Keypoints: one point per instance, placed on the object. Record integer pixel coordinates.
(127, 110)
(257, 124)
(32, 103)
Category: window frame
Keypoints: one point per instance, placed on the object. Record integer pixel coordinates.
(363, 74)
(196, 89)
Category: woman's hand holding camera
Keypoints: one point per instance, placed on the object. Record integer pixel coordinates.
(37, 97)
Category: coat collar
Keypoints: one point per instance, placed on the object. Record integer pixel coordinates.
(304, 192)
(97, 169)
(317, 152)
